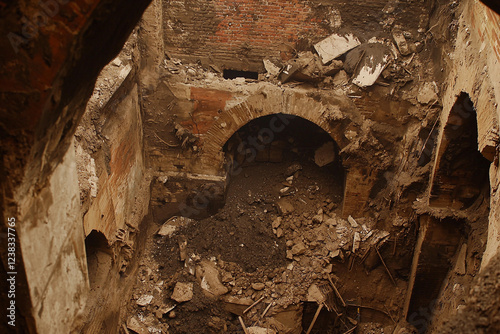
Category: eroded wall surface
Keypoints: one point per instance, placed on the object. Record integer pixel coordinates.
(51, 55)
(119, 170)
(113, 183)
(475, 69)
(52, 242)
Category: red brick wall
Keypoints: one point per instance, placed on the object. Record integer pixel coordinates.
(239, 33)
(242, 29)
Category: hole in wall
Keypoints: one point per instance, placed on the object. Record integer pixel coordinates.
(278, 138)
(275, 163)
(233, 74)
(99, 258)
(438, 246)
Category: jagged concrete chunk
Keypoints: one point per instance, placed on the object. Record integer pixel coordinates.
(167, 230)
(314, 294)
(356, 241)
(352, 221)
(299, 249)
(171, 225)
(335, 45)
(401, 42)
(370, 71)
(136, 326)
(367, 62)
(144, 300)
(284, 207)
(270, 67)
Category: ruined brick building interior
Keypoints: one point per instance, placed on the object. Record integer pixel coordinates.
(250, 166)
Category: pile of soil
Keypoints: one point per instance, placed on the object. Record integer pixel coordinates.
(481, 311)
(278, 236)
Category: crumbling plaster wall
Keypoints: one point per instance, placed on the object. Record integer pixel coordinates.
(48, 71)
(110, 148)
(114, 182)
(475, 69)
(54, 257)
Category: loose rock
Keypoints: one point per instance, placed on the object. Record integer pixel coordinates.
(144, 300)
(299, 249)
(136, 326)
(258, 286)
(284, 207)
(208, 274)
(183, 292)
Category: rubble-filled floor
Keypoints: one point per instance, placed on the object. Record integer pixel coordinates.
(287, 250)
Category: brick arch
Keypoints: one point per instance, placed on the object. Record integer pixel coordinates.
(459, 169)
(264, 103)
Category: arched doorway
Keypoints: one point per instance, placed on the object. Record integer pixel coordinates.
(99, 258)
(460, 171)
(282, 138)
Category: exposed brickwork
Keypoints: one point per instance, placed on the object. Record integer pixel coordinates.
(215, 123)
(274, 101)
(208, 103)
(241, 29)
(239, 33)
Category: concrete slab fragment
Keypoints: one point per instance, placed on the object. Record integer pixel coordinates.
(208, 274)
(401, 42)
(335, 45)
(136, 326)
(367, 62)
(370, 71)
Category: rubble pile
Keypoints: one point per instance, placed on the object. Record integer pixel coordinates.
(316, 240)
(343, 62)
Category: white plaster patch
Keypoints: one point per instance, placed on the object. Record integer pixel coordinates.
(335, 45)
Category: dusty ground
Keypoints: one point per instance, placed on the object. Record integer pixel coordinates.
(258, 250)
(481, 314)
